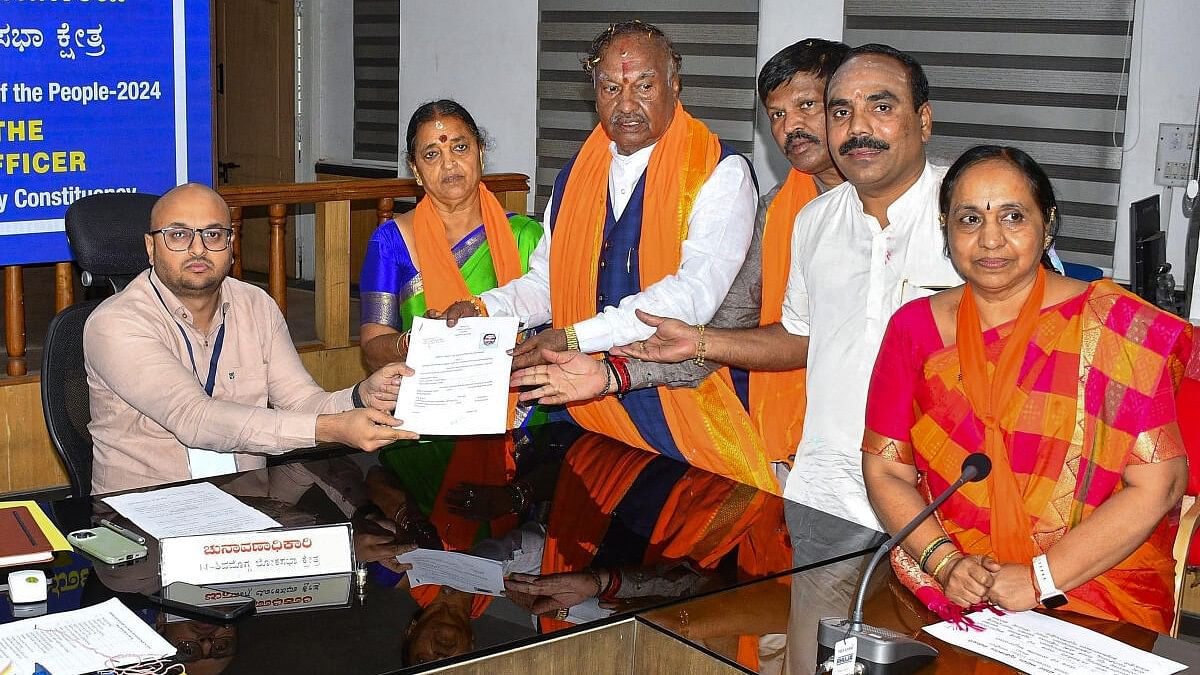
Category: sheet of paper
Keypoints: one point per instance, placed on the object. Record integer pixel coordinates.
(199, 508)
(459, 571)
(1043, 645)
(82, 641)
(461, 382)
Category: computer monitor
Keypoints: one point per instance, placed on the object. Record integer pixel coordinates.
(1146, 246)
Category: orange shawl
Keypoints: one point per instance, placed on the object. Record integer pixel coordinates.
(778, 399)
(707, 423)
(443, 282)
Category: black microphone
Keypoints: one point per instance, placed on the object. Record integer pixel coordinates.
(885, 651)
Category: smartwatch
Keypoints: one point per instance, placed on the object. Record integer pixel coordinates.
(1051, 597)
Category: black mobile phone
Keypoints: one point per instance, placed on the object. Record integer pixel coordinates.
(202, 602)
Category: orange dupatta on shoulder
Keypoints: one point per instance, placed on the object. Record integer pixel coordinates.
(479, 460)
(443, 282)
(1011, 524)
(778, 399)
(707, 423)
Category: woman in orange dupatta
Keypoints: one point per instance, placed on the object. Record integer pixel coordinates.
(1068, 388)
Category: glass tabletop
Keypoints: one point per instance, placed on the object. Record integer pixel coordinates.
(562, 510)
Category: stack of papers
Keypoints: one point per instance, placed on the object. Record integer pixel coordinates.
(199, 508)
(1042, 645)
(82, 641)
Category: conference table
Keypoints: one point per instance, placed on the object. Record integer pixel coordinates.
(710, 581)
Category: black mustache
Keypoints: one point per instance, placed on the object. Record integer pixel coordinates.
(858, 142)
(800, 135)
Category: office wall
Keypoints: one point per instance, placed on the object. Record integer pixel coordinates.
(327, 66)
(482, 54)
(1164, 79)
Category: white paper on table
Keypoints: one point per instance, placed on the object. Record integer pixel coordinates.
(461, 382)
(82, 640)
(1043, 645)
(198, 508)
(459, 571)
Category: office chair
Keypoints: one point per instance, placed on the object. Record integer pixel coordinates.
(105, 234)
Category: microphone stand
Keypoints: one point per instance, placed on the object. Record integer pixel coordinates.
(882, 651)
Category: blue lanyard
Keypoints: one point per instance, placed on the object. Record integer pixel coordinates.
(211, 384)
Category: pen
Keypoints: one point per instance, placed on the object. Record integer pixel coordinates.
(39, 669)
(128, 534)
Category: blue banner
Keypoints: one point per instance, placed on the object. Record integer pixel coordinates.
(97, 96)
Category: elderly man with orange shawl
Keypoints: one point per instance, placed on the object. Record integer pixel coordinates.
(654, 213)
(791, 87)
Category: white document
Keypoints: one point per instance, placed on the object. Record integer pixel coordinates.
(461, 382)
(82, 641)
(1042, 645)
(199, 508)
(459, 571)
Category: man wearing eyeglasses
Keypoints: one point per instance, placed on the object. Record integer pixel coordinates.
(192, 373)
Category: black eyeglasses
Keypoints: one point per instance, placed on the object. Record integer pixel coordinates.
(180, 238)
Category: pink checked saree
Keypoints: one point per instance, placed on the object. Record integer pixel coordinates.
(1097, 392)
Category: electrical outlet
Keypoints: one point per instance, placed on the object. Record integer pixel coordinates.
(1176, 146)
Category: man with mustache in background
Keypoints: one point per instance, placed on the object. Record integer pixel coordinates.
(859, 251)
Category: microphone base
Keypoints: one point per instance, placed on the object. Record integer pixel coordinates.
(880, 651)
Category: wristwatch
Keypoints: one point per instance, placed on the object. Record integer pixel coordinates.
(1051, 597)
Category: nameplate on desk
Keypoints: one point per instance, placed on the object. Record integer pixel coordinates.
(255, 556)
(283, 595)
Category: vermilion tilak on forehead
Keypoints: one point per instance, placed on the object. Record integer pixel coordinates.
(442, 138)
(624, 64)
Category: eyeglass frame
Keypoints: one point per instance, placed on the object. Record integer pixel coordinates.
(230, 233)
(223, 645)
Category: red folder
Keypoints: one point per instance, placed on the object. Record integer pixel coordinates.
(22, 542)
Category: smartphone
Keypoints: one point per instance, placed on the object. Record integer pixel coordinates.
(202, 602)
(104, 544)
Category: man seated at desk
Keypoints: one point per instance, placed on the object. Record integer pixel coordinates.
(183, 364)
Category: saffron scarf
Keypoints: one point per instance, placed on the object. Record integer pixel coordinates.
(440, 275)
(778, 399)
(707, 423)
(1011, 524)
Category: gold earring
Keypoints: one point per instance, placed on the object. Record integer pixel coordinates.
(942, 219)
(1053, 212)
(1046, 243)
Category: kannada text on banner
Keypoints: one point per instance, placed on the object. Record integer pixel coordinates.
(96, 96)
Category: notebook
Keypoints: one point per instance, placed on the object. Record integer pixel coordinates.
(22, 541)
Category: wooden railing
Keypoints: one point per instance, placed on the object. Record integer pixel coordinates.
(27, 459)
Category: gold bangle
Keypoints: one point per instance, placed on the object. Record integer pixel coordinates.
(480, 308)
(947, 558)
(572, 339)
(701, 348)
(933, 546)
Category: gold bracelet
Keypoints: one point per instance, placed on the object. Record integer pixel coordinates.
(948, 557)
(572, 338)
(701, 348)
(480, 308)
(401, 342)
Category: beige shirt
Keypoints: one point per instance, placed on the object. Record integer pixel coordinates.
(148, 406)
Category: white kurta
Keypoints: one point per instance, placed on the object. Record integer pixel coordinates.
(848, 276)
(719, 230)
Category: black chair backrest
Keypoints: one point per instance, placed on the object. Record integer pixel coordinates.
(106, 235)
(65, 394)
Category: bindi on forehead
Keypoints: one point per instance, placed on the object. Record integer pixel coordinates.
(442, 138)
